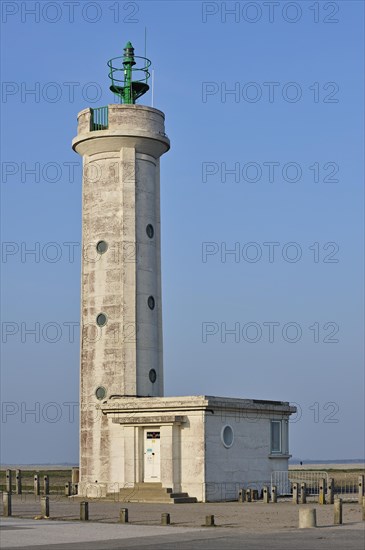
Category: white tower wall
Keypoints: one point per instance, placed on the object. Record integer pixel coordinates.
(121, 196)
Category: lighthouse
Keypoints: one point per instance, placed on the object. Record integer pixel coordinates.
(121, 144)
(133, 440)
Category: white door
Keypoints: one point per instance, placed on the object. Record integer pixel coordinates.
(151, 457)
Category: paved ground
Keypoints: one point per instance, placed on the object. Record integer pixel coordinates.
(66, 535)
(239, 526)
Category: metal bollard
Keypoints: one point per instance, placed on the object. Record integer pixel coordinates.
(295, 493)
(254, 494)
(7, 504)
(209, 521)
(123, 515)
(45, 507)
(303, 493)
(84, 511)
(18, 482)
(36, 484)
(165, 519)
(363, 508)
(45, 485)
(361, 488)
(274, 493)
(8, 481)
(338, 511)
(241, 495)
(68, 487)
(330, 491)
(265, 494)
(248, 495)
(322, 491)
(75, 475)
(74, 489)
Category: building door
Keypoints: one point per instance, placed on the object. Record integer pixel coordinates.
(151, 457)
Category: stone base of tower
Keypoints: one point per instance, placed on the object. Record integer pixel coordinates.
(203, 447)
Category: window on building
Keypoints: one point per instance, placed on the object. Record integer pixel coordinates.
(101, 247)
(101, 320)
(276, 436)
(150, 231)
(100, 392)
(227, 436)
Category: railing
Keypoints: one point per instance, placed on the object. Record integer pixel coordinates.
(347, 486)
(285, 479)
(99, 119)
(129, 82)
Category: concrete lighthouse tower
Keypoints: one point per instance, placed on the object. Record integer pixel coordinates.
(134, 441)
(121, 339)
(121, 348)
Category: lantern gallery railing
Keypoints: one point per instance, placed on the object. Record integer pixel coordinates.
(99, 119)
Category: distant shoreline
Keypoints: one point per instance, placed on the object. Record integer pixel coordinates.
(328, 466)
(38, 466)
(333, 464)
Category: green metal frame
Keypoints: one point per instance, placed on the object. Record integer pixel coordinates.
(122, 74)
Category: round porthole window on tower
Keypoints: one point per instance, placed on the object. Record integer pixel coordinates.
(101, 320)
(151, 302)
(102, 247)
(150, 231)
(152, 376)
(227, 436)
(100, 392)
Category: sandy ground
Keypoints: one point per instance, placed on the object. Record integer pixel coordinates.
(250, 517)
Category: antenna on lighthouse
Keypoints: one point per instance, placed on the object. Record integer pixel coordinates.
(128, 81)
(153, 86)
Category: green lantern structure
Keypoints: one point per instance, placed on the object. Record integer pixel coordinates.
(129, 81)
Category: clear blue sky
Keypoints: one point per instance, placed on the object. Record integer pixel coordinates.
(299, 180)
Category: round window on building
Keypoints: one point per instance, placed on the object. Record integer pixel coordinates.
(151, 302)
(227, 436)
(152, 376)
(101, 320)
(100, 392)
(102, 247)
(150, 231)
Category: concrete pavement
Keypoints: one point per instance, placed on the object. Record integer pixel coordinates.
(66, 535)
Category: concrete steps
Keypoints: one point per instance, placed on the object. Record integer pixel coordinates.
(154, 492)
